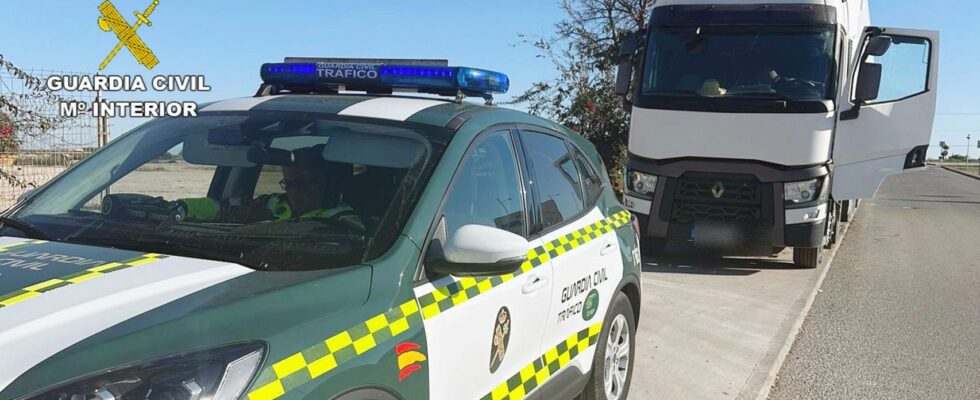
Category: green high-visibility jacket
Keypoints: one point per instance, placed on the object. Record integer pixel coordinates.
(274, 207)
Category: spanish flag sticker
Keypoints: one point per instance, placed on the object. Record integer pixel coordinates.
(409, 359)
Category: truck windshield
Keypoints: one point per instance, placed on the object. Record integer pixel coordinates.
(269, 190)
(735, 68)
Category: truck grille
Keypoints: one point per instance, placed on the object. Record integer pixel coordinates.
(728, 198)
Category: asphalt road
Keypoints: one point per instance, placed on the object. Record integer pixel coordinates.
(898, 315)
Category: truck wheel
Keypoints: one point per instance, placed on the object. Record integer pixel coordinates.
(612, 366)
(807, 257)
(653, 246)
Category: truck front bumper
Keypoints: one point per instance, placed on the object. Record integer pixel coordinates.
(773, 224)
(802, 227)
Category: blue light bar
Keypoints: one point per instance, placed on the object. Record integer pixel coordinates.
(383, 77)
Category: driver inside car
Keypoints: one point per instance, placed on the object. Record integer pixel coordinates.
(310, 191)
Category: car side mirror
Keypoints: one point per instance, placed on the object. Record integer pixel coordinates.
(868, 82)
(477, 250)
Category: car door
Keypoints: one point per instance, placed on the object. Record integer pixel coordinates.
(890, 133)
(584, 250)
(481, 332)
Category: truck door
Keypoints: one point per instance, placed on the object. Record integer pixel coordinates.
(889, 130)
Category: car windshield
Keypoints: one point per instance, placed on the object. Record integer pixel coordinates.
(269, 190)
(740, 62)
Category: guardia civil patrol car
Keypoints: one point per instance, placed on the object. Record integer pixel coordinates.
(326, 239)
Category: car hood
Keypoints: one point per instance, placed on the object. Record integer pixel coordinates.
(53, 295)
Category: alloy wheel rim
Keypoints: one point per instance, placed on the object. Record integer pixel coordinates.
(617, 360)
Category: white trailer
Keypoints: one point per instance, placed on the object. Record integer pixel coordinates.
(757, 125)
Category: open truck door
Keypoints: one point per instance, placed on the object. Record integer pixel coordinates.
(889, 107)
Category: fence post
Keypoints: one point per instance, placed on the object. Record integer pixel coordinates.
(102, 125)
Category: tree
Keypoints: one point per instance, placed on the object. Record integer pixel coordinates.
(21, 115)
(8, 137)
(585, 52)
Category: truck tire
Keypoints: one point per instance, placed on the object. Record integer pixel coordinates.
(620, 324)
(807, 257)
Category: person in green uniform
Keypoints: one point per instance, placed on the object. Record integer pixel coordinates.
(309, 192)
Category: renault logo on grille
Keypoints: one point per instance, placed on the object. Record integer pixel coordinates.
(718, 190)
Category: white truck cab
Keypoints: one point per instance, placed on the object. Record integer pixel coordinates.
(756, 125)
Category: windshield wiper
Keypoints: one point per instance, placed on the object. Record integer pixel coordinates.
(25, 227)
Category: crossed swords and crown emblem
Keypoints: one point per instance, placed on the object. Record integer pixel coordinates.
(112, 20)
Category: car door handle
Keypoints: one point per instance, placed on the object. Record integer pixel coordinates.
(607, 248)
(534, 283)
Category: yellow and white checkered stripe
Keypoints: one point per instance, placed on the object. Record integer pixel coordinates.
(458, 292)
(536, 373)
(19, 244)
(35, 290)
(323, 357)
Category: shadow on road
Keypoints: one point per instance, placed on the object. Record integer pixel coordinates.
(687, 260)
(933, 201)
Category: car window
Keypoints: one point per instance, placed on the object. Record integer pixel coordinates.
(591, 184)
(555, 178)
(269, 181)
(155, 179)
(486, 190)
(272, 190)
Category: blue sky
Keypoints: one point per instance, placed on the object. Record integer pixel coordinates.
(228, 40)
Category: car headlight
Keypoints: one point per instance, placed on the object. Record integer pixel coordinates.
(215, 374)
(641, 184)
(802, 192)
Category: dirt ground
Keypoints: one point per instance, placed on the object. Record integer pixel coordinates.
(170, 180)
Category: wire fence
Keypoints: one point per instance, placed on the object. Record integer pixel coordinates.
(36, 142)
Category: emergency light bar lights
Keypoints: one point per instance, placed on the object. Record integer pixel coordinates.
(375, 77)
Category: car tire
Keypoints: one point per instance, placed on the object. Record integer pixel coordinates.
(807, 257)
(619, 320)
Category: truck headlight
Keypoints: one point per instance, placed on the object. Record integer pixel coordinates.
(802, 192)
(215, 374)
(642, 184)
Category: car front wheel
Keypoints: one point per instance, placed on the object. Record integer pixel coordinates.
(612, 367)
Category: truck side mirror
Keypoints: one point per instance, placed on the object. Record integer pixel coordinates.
(878, 45)
(624, 78)
(477, 250)
(624, 75)
(868, 82)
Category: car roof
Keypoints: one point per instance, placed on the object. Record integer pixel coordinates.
(421, 110)
(427, 111)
